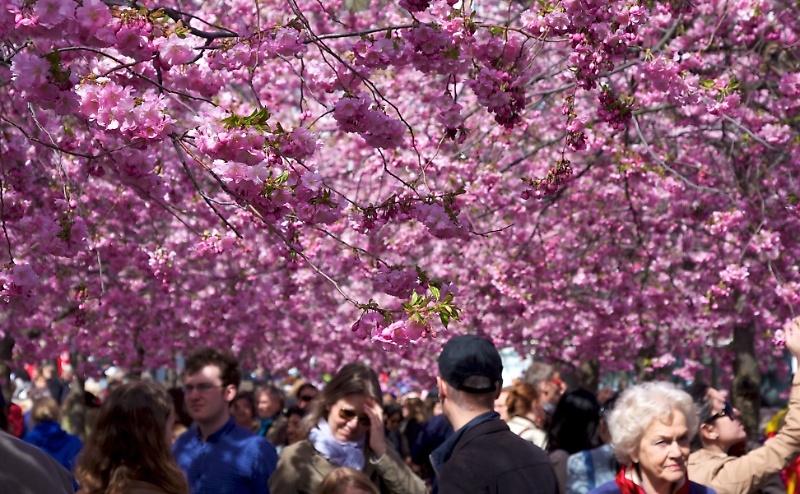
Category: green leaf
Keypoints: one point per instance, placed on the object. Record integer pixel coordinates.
(435, 292)
(445, 318)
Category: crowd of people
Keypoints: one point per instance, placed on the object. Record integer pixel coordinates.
(467, 435)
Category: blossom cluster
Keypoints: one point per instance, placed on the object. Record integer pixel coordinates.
(599, 32)
(501, 93)
(355, 114)
(115, 108)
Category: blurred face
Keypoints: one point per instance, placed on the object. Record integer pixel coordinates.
(294, 429)
(663, 452)
(550, 390)
(730, 429)
(242, 413)
(267, 405)
(393, 421)
(347, 419)
(500, 405)
(206, 399)
(306, 396)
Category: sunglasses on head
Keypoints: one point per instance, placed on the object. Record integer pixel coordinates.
(727, 409)
(348, 415)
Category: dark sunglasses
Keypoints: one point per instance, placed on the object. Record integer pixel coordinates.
(349, 415)
(305, 398)
(727, 409)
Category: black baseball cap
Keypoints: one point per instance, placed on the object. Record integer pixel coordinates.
(470, 355)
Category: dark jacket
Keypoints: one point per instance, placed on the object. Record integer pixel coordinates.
(25, 469)
(611, 487)
(489, 458)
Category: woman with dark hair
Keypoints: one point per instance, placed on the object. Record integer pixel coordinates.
(182, 418)
(295, 428)
(129, 450)
(720, 430)
(243, 409)
(573, 428)
(347, 430)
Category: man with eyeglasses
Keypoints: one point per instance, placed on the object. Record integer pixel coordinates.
(216, 455)
(720, 430)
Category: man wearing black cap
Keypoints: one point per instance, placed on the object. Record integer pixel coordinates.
(483, 455)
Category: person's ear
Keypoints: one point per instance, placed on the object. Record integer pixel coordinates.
(441, 385)
(229, 393)
(707, 433)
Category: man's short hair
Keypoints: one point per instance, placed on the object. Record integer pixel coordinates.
(471, 401)
(224, 360)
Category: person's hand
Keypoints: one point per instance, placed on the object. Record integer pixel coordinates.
(377, 436)
(792, 331)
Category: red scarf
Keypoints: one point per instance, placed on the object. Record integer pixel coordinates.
(628, 486)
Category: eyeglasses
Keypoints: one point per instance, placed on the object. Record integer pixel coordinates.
(348, 415)
(727, 409)
(305, 398)
(201, 388)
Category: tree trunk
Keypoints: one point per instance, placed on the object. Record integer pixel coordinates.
(6, 346)
(75, 404)
(745, 392)
(587, 375)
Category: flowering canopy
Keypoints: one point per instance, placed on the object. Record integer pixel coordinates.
(311, 182)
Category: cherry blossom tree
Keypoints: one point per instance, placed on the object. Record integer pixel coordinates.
(314, 182)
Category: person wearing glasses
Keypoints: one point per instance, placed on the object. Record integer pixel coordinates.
(216, 455)
(346, 430)
(720, 430)
(306, 394)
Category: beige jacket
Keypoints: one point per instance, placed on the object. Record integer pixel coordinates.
(301, 470)
(744, 475)
(528, 431)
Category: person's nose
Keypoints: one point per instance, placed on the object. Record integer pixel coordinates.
(675, 450)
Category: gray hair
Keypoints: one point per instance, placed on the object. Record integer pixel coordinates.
(639, 406)
(538, 372)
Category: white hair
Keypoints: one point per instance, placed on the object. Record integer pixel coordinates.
(639, 406)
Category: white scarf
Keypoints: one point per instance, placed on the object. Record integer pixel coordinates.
(340, 453)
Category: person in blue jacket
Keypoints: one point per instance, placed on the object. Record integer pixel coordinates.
(48, 435)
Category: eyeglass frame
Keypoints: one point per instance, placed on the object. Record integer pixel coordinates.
(727, 410)
(348, 415)
(200, 387)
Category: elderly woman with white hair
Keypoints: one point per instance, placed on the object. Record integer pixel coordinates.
(651, 427)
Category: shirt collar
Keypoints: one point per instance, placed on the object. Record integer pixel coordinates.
(218, 434)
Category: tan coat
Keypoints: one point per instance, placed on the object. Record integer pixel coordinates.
(744, 475)
(301, 470)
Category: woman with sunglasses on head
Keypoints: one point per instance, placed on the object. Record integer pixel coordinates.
(346, 430)
(720, 430)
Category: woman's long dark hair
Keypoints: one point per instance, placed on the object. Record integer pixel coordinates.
(129, 443)
(575, 422)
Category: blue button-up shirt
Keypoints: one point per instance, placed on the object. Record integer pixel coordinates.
(232, 460)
